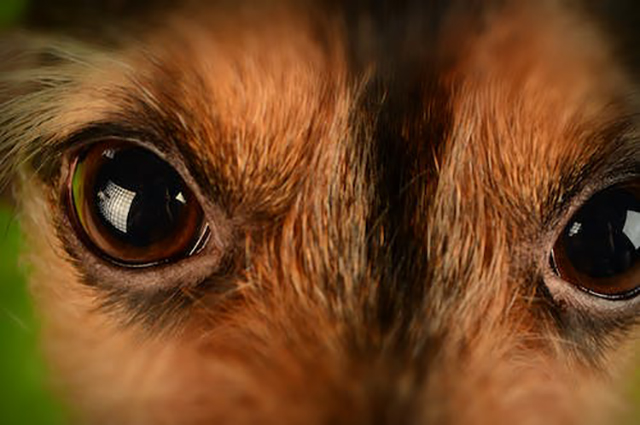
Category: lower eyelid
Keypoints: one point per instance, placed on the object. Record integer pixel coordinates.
(577, 298)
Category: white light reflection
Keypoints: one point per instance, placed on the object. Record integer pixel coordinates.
(114, 203)
(632, 228)
(575, 229)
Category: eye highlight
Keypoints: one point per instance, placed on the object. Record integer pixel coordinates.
(598, 250)
(132, 207)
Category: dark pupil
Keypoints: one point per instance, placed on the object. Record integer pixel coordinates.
(603, 238)
(138, 196)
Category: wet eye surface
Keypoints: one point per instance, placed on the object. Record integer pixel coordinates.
(132, 207)
(598, 250)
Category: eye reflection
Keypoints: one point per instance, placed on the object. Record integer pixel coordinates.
(134, 207)
(114, 204)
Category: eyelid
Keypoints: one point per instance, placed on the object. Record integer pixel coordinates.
(625, 296)
(564, 293)
(573, 200)
(97, 132)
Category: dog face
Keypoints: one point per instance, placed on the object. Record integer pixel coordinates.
(316, 213)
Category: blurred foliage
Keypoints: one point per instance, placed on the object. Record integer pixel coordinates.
(10, 11)
(24, 399)
(23, 396)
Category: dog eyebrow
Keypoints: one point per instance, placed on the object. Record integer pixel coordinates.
(122, 130)
(141, 124)
(619, 149)
(613, 156)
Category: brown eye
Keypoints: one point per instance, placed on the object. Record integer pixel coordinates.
(133, 207)
(598, 250)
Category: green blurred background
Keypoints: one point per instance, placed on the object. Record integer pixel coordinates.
(24, 399)
(23, 396)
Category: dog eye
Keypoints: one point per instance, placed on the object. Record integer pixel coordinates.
(132, 207)
(598, 250)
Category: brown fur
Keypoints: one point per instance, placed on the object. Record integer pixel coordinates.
(383, 202)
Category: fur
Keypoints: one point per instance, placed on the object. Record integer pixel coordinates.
(384, 185)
